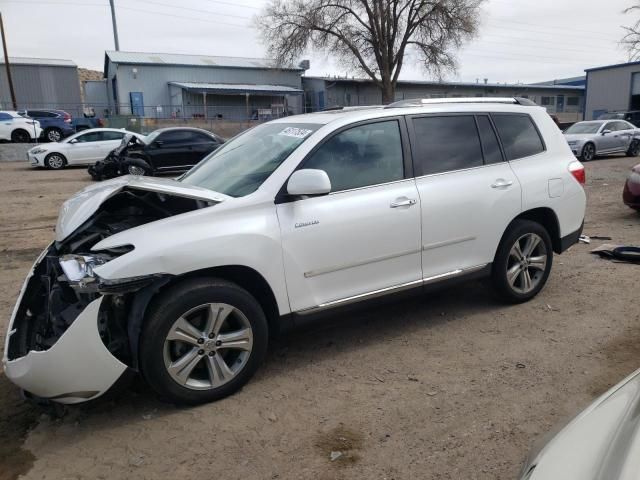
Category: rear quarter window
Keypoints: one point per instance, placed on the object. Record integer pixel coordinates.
(518, 134)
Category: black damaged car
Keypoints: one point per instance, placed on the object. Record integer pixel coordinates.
(171, 150)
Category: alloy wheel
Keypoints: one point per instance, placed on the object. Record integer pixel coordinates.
(208, 346)
(588, 152)
(55, 161)
(135, 170)
(527, 263)
(54, 135)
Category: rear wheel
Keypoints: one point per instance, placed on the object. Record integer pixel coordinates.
(203, 341)
(588, 152)
(20, 136)
(55, 161)
(523, 261)
(53, 134)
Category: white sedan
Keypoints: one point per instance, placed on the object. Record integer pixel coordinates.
(83, 148)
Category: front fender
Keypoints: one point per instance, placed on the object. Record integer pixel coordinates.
(212, 237)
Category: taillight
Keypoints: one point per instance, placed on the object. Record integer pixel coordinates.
(67, 118)
(577, 170)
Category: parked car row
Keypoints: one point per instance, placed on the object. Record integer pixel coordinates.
(54, 125)
(165, 150)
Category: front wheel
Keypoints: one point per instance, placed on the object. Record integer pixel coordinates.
(136, 166)
(588, 152)
(523, 262)
(634, 149)
(55, 161)
(202, 341)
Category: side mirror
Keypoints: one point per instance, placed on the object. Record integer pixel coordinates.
(605, 132)
(73, 140)
(309, 182)
(158, 143)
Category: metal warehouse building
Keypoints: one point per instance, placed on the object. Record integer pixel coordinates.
(41, 83)
(566, 100)
(163, 85)
(612, 88)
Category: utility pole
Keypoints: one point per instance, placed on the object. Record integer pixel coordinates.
(115, 26)
(7, 65)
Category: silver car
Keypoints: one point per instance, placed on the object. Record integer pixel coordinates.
(603, 137)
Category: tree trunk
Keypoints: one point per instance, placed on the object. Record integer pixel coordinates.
(388, 91)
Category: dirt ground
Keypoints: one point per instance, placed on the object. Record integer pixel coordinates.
(450, 385)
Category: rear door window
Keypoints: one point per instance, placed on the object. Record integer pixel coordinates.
(446, 143)
(518, 134)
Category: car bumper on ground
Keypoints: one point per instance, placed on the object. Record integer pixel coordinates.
(76, 368)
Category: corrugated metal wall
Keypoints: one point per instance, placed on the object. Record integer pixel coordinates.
(41, 86)
(609, 90)
(153, 81)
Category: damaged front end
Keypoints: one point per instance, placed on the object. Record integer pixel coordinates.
(73, 334)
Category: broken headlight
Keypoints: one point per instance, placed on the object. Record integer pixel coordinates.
(79, 268)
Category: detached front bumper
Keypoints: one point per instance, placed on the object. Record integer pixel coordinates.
(77, 366)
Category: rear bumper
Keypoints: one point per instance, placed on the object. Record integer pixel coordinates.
(571, 239)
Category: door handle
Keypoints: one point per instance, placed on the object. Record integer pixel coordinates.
(501, 183)
(403, 202)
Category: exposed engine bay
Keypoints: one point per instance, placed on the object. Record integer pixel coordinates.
(63, 284)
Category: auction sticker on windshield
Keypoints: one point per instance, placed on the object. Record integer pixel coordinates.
(295, 132)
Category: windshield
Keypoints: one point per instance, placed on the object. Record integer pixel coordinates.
(241, 165)
(584, 127)
(151, 137)
(610, 116)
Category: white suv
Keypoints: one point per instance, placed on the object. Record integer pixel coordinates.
(184, 280)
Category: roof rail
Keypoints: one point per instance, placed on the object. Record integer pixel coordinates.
(350, 108)
(418, 102)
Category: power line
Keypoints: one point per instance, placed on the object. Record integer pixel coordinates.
(183, 17)
(180, 7)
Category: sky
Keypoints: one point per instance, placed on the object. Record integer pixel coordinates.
(518, 40)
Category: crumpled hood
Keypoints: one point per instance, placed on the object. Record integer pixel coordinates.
(579, 136)
(82, 205)
(603, 442)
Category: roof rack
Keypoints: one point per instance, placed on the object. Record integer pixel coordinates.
(350, 108)
(418, 102)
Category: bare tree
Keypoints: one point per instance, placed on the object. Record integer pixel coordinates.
(371, 36)
(631, 40)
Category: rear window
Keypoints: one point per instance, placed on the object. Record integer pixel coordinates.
(518, 134)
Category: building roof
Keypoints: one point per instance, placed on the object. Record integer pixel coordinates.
(522, 86)
(615, 65)
(54, 62)
(237, 88)
(139, 58)
(564, 81)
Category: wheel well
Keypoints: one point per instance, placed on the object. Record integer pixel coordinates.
(548, 219)
(20, 130)
(247, 278)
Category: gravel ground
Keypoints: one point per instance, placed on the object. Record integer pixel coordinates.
(449, 385)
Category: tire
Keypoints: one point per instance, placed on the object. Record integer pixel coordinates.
(20, 136)
(53, 134)
(183, 312)
(55, 161)
(136, 166)
(634, 149)
(508, 271)
(588, 152)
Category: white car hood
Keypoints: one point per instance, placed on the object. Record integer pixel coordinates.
(82, 205)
